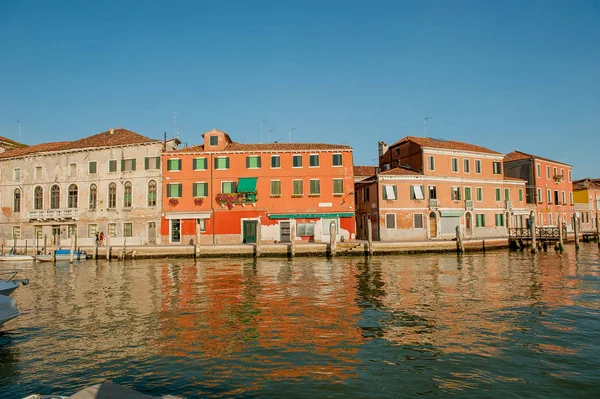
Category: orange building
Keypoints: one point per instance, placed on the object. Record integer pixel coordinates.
(223, 189)
(428, 186)
(549, 186)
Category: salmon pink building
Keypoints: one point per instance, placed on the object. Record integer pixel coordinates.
(221, 190)
(428, 187)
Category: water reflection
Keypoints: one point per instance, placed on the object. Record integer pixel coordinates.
(382, 327)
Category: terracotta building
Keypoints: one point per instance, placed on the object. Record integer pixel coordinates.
(222, 189)
(428, 186)
(549, 186)
(586, 197)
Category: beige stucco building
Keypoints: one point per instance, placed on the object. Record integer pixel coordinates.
(109, 182)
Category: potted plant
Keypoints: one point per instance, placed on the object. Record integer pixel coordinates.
(198, 201)
(173, 201)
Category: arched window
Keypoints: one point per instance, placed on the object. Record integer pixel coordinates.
(38, 198)
(112, 195)
(17, 200)
(93, 196)
(55, 197)
(72, 200)
(127, 195)
(152, 193)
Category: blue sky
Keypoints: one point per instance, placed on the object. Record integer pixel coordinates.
(504, 74)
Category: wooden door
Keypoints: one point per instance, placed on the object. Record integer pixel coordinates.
(469, 224)
(249, 228)
(432, 225)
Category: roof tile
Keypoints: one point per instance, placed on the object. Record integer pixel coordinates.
(445, 144)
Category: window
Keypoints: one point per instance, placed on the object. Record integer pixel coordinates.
(127, 194)
(315, 187)
(416, 192)
(297, 188)
(16, 174)
(564, 198)
(93, 196)
(432, 192)
(539, 195)
(127, 230)
(556, 197)
(222, 163)
(17, 200)
(571, 197)
(430, 162)
(38, 172)
(389, 192)
(38, 198)
(314, 160)
(390, 220)
(92, 230)
(549, 196)
(520, 195)
(479, 194)
(38, 232)
(548, 172)
(200, 189)
(174, 190)
(71, 230)
(418, 221)
(112, 165)
(499, 219)
(275, 188)
(337, 159)
(127, 165)
(92, 167)
(454, 164)
(152, 163)
(214, 140)
(498, 194)
(569, 176)
(480, 220)
(455, 193)
(112, 229)
(112, 195)
(253, 162)
(550, 219)
(562, 176)
(468, 194)
(275, 161)
(338, 186)
(507, 194)
(152, 193)
(174, 165)
(467, 165)
(72, 196)
(497, 168)
(55, 197)
(305, 229)
(228, 187)
(73, 169)
(538, 170)
(555, 171)
(477, 166)
(199, 164)
(16, 232)
(297, 161)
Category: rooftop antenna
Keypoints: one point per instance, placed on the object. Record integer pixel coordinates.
(269, 135)
(19, 122)
(174, 123)
(290, 133)
(425, 124)
(178, 130)
(262, 130)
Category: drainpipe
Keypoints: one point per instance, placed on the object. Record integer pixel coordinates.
(212, 204)
(378, 208)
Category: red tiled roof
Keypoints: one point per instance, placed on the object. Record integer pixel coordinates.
(272, 147)
(14, 143)
(445, 144)
(365, 170)
(586, 183)
(400, 171)
(520, 155)
(196, 148)
(43, 147)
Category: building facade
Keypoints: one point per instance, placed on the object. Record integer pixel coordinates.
(109, 182)
(221, 190)
(7, 144)
(549, 186)
(586, 197)
(427, 187)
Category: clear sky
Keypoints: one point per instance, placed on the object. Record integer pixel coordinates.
(501, 74)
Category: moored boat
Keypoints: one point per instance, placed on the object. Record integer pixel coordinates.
(8, 309)
(16, 258)
(8, 285)
(61, 255)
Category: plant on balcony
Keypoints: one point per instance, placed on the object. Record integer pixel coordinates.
(198, 201)
(227, 199)
(173, 201)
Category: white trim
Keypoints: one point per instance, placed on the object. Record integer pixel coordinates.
(187, 215)
(429, 150)
(471, 180)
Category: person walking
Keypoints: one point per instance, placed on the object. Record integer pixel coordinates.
(101, 238)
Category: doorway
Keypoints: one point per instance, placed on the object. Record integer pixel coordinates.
(249, 231)
(284, 232)
(175, 230)
(468, 224)
(152, 233)
(432, 225)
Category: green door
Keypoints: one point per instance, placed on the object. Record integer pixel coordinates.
(250, 231)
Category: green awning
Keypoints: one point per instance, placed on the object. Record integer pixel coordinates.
(449, 214)
(247, 185)
(311, 215)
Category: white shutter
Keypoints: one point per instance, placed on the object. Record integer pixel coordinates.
(389, 190)
(418, 192)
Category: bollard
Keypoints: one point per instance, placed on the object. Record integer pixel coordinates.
(459, 244)
(533, 233)
(292, 241)
(560, 234)
(370, 236)
(72, 250)
(483, 245)
(96, 251)
(257, 245)
(576, 229)
(332, 238)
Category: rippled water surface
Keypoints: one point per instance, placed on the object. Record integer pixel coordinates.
(481, 325)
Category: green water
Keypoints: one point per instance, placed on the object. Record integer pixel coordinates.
(494, 325)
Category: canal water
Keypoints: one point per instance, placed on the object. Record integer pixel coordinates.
(489, 325)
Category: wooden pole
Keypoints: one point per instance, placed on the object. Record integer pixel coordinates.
(124, 245)
(257, 246)
(25, 253)
(292, 241)
(459, 244)
(14, 245)
(2, 245)
(598, 227)
(332, 238)
(72, 249)
(45, 243)
(560, 234)
(576, 229)
(533, 233)
(370, 236)
(53, 253)
(197, 249)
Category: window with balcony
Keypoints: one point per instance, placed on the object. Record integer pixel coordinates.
(200, 190)
(253, 162)
(127, 195)
(297, 161)
(112, 166)
(55, 197)
(222, 163)
(315, 187)
(174, 190)
(93, 196)
(17, 200)
(389, 192)
(92, 167)
(454, 162)
(390, 220)
(478, 166)
(338, 186)
(430, 162)
(72, 195)
(432, 192)
(38, 198)
(112, 196)
(314, 160)
(228, 187)
(467, 165)
(455, 193)
(152, 193)
(275, 161)
(151, 163)
(275, 188)
(297, 188)
(337, 159)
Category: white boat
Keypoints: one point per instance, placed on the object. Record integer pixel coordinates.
(102, 391)
(10, 283)
(8, 309)
(15, 258)
(62, 255)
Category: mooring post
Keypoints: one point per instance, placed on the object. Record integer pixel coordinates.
(124, 246)
(72, 250)
(459, 244)
(576, 230)
(108, 248)
(53, 253)
(2, 245)
(332, 238)
(560, 234)
(95, 249)
(25, 253)
(45, 243)
(257, 246)
(292, 242)
(197, 249)
(14, 245)
(370, 236)
(533, 233)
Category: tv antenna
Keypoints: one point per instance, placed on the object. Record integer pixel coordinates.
(425, 124)
(262, 130)
(269, 135)
(174, 124)
(290, 133)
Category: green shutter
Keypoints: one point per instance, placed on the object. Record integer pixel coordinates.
(179, 190)
(133, 164)
(195, 189)
(122, 165)
(412, 193)
(146, 163)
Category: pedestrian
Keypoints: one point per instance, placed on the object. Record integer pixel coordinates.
(101, 238)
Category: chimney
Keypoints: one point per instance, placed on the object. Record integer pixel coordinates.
(112, 131)
(383, 147)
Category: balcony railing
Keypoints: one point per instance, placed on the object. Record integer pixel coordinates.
(468, 205)
(434, 203)
(53, 214)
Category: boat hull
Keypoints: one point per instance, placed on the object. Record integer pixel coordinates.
(60, 257)
(16, 258)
